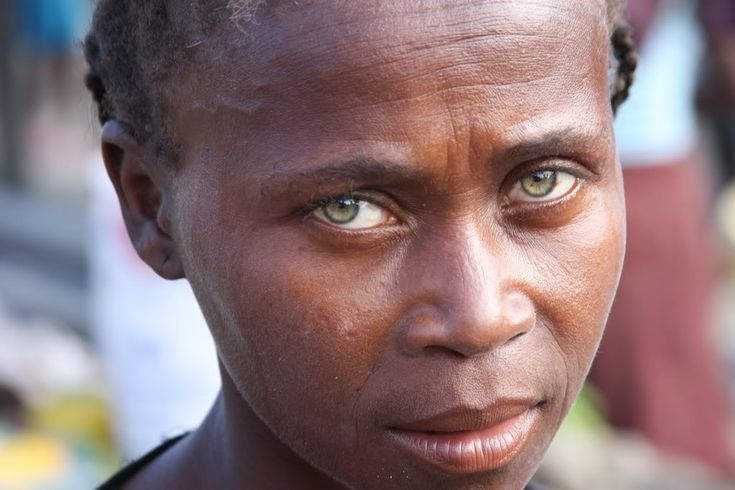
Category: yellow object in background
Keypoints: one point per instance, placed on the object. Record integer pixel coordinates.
(31, 460)
(65, 444)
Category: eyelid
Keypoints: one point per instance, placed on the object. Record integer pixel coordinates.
(323, 201)
(559, 164)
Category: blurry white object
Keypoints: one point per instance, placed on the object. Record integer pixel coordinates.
(156, 349)
(658, 122)
(39, 359)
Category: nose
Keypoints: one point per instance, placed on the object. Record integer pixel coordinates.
(472, 301)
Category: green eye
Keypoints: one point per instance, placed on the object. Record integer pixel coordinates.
(543, 186)
(352, 214)
(539, 184)
(341, 211)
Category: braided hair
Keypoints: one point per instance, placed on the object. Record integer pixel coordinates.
(131, 51)
(626, 57)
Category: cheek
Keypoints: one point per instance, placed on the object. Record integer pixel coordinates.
(576, 272)
(296, 333)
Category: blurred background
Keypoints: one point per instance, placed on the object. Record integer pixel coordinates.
(100, 360)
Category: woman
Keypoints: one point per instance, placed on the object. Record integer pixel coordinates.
(403, 221)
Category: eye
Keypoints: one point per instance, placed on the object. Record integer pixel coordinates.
(543, 186)
(352, 213)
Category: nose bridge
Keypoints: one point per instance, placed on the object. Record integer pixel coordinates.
(473, 292)
(469, 296)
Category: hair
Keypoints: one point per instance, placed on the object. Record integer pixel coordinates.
(135, 47)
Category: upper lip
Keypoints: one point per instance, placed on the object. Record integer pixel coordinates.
(468, 418)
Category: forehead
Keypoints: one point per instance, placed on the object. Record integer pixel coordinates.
(391, 29)
(399, 66)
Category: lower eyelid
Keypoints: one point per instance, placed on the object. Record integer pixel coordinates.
(331, 235)
(532, 207)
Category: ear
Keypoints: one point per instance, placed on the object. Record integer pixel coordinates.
(139, 184)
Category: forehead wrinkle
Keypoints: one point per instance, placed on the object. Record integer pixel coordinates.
(505, 51)
(365, 48)
(460, 57)
(391, 37)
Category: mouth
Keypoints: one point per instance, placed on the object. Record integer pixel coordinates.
(466, 441)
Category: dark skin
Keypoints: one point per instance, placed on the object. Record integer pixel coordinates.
(453, 288)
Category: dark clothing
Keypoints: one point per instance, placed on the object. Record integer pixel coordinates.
(123, 476)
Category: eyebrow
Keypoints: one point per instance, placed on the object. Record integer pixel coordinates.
(353, 170)
(558, 142)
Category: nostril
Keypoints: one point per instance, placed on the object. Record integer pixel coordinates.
(441, 351)
(519, 334)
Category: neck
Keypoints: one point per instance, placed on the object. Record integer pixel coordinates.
(233, 448)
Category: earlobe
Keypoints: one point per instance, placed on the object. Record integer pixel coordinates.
(141, 192)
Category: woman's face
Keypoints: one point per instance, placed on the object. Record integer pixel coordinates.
(404, 224)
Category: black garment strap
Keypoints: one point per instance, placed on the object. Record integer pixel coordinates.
(118, 479)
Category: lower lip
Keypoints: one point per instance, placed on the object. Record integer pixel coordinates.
(474, 451)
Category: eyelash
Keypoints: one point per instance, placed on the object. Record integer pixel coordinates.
(319, 203)
(581, 171)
